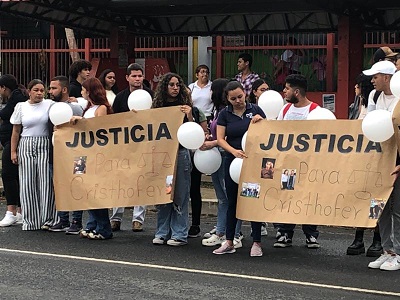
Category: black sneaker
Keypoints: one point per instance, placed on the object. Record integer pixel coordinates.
(194, 231)
(312, 242)
(59, 227)
(75, 228)
(282, 242)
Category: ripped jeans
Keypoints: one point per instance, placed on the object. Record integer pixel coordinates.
(173, 218)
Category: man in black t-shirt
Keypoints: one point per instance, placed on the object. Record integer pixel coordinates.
(134, 76)
(79, 71)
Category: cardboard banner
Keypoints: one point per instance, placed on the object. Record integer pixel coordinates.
(315, 172)
(117, 160)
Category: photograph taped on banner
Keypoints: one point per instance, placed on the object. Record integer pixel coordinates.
(251, 190)
(267, 168)
(168, 184)
(80, 165)
(376, 208)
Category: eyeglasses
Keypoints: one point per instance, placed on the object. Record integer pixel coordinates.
(178, 85)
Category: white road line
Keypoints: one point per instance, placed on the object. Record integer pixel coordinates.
(195, 271)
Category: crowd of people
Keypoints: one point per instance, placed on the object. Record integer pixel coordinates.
(224, 109)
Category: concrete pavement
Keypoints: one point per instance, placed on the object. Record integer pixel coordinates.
(46, 265)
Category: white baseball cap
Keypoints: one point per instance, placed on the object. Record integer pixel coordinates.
(383, 67)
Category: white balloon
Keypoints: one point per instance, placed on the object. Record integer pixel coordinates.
(235, 168)
(191, 135)
(207, 161)
(244, 139)
(82, 102)
(139, 100)
(271, 102)
(395, 84)
(60, 113)
(320, 113)
(377, 125)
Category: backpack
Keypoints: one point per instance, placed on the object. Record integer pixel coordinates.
(376, 96)
(286, 108)
(196, 114)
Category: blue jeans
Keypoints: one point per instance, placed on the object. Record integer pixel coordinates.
(231, 220)
(173, 218)
(76, 216)
(99, 221)
(64, 215)
(218, 179)
(389, 222)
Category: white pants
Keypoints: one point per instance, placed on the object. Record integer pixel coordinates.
(139, 213)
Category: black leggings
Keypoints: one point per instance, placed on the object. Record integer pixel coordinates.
(195, 195)
(9, 174)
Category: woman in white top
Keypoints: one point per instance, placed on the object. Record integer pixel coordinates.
(98, 226)
(201, 91)
(30, 138)
(285, 179)
(107, 79)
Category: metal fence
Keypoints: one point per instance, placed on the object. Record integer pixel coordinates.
(172, 48)
(42, 58)
(28, 59)
(266, 50)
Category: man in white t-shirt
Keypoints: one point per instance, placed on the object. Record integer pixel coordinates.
(389, 221)
(381, 73)
(298, 108)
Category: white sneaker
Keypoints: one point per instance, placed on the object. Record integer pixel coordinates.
(392, 264)
(19, 219)
(8, 220)
(207, 235)
(213, 240)
(158, 241)
(376, 264)
(236, 243)
(240, 237)
(264, 231)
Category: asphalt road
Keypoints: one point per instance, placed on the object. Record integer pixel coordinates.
(46, 265)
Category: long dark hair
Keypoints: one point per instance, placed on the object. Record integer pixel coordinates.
(256, 84)
(217, 96)
(364, 82)
(97, 93)
(102, 79)
(161, 93)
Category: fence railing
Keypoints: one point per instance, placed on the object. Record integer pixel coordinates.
(44, 58)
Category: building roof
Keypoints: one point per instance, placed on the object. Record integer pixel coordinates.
(205, 17)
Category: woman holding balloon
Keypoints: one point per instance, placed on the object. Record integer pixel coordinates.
(233, 122)
(217, 235)
(173, 218)
(30, 150)
(98, 226)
